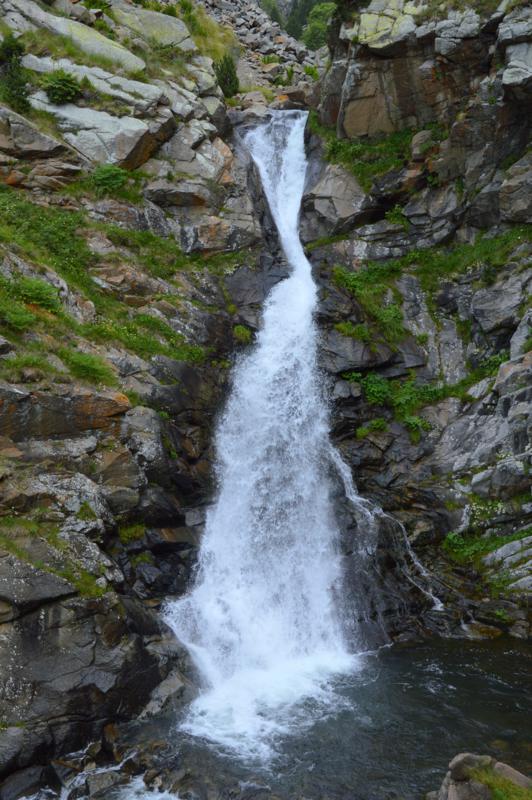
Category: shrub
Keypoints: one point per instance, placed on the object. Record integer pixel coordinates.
(61, 87)
(13, 89)
(226, 75)
(108, 179)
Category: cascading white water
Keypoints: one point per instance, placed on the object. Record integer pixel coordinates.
(262, 622)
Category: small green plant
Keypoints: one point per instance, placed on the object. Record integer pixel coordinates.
(13, 88)
(271, 59)
(396, 216)
(415, 426)
(377, 425)
(61, 87)
(86, 512)
(226, 75)
(289, 75)
(104, 28)
(359, 331)
(312, 72)
(108, 179)
(242, 334)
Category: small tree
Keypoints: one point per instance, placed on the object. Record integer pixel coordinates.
(13, 90)
(315, 31)
(226, 75)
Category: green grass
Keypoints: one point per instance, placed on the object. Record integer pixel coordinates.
(161, 257)
(369, 286)
(366, 158)
(11, 528)
(88, 367)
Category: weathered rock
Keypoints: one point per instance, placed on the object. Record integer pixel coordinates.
(152, 25)
(515, 197)
(103, 138)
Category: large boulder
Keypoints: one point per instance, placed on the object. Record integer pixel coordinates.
(103, 138)
(151, 25)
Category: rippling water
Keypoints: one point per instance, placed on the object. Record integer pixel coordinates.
(406, 712)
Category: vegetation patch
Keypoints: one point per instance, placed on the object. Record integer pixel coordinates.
(61, 87)
(376, 425)
(366, 158)
(501, 788)
(131, 533)
(469, 549)
(242, 334)
(88, 367)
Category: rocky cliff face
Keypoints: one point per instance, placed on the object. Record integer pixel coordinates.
(125, 292)
(419, 228)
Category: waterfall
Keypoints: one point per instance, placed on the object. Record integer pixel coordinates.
(262, 621)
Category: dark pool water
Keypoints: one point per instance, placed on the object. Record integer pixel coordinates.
(407, 711)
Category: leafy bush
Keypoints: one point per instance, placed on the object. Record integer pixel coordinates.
(226, 75)
(108, 179)
(61, 87)
(13, 89)
(315, 31)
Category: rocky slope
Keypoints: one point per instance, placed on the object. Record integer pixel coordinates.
(126, 292)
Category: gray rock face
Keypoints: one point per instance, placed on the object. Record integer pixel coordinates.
(515, 195)
(335, 203)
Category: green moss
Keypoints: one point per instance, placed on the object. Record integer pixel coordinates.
(141, 558)
(242, 334)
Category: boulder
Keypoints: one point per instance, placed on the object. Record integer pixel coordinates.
(153, 26)
(21, 139)
(103, 138)
(337, 200)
